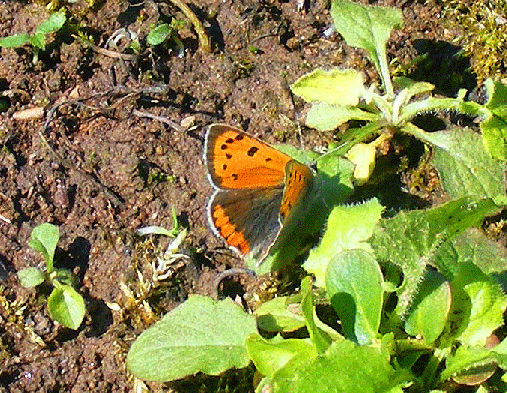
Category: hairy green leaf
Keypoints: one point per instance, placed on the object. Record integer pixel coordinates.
(52, 24)
(428, 315)
(348, 227)
(326, 117)
(345, 367)
(335, 87)
(202, 335)
(279, 356)
(31, 277)
(472, 246)
(478, 305)
(469, 360)
(38, 41)
(464, 165)
(367, 28)
(14, 41)
(281, 314)
(411, 240)
(494, 127)
(354, 286)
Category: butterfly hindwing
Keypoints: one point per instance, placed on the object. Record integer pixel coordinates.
(247, 219)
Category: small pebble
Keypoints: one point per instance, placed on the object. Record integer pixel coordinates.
(29, 114)
(188, 122)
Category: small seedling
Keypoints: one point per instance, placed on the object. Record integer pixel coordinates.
(38, 39)
(65, 304)
(164, 32)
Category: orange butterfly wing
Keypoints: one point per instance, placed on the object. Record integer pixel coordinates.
(236, 160)
(298, 181)
(247, 219)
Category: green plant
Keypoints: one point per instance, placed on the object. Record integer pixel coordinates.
(65, 304)
(423, 322)
(38, 39)
(164, 32)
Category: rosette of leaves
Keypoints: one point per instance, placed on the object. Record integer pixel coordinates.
(65, 304)
(38, 39)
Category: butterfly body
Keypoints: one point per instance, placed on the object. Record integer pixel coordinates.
(257, 189)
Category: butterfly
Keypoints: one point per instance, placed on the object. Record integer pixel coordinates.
(258, 190)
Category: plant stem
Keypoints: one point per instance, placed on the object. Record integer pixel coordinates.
(428, 376)
(431, 104)
(353, 137)
(386, 76)
(204, 42)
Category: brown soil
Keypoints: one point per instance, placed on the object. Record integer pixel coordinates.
(100, 169)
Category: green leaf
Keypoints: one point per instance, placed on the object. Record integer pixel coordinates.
(433, 104)
(31, 277)
(367, 28)
(52, 24)
(66, 306)
(335, 87)
(334, 182)
(412, 88)
(305, 156)
(464, 166)
(326, 117)
(494, 134)
(354, 285)
(348, 227)
(284, 314)
(428, 315)
(14, 41)
(478, 305)
(159, 34)
(38, 40)
(501, 351)
(201, 335)
(345, 367)
(278, 355)
(65, 276)
(319, 338)
(281, 314)
(411, 240)
(468, 360)
(472, 246)
(415, 87)
(494, 127)
(44, 239)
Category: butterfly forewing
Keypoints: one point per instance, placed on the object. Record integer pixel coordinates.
(236, 160)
